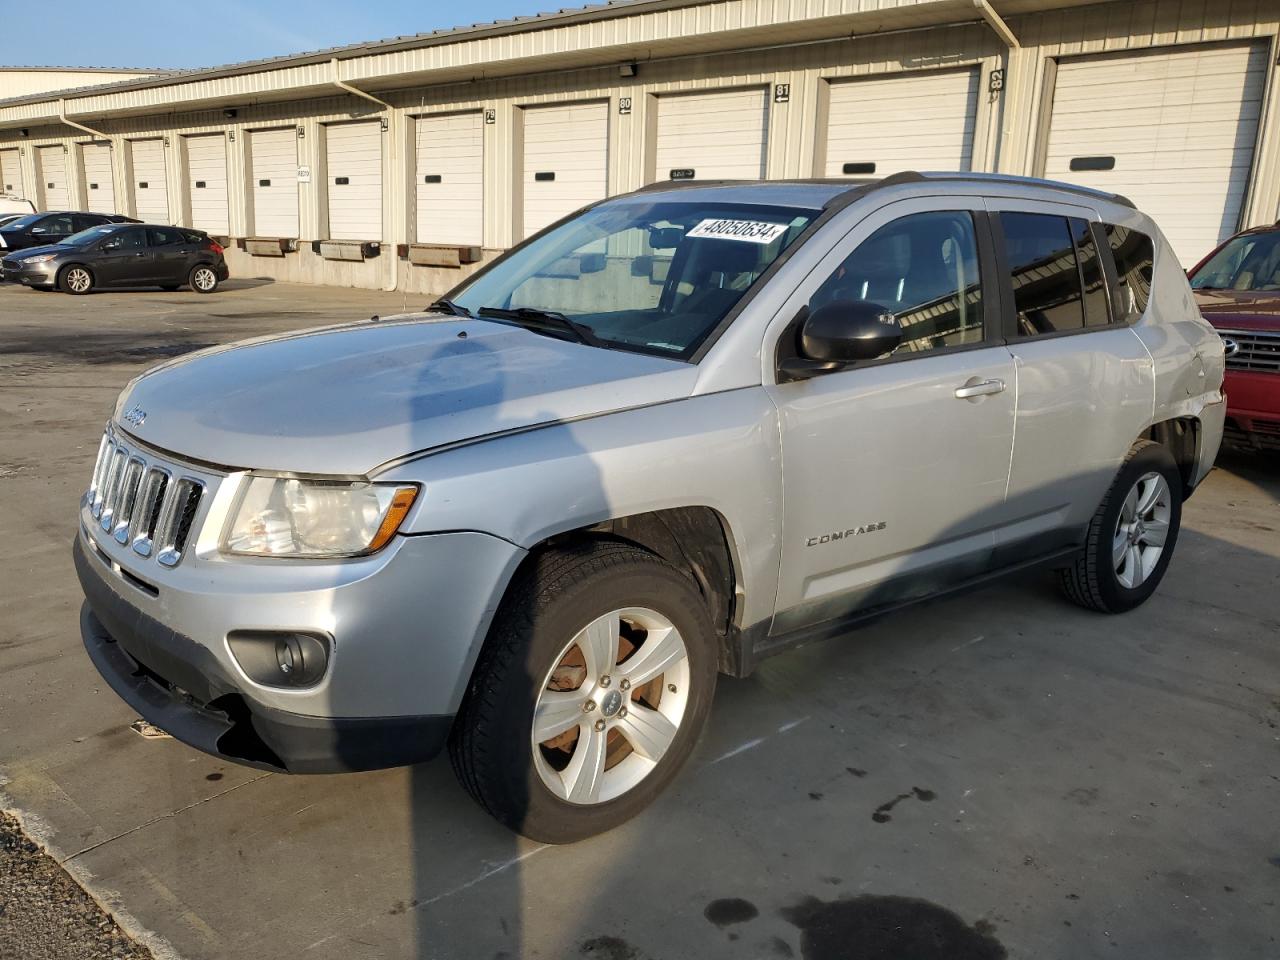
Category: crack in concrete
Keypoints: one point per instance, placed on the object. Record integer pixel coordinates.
(163, 816)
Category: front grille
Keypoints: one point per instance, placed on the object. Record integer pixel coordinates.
(141, 502)
(1257, 350)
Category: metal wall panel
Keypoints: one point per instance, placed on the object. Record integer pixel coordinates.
(353, 156)
(566, 160)
(207, 183)
(150, 181)
(274, 182)
(1175, 128)
(11, 173)
(53, 174)
(99, 178)
(449, 190)
(712, 136)
(908, 121)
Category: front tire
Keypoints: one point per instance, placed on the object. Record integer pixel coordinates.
(594, 683)
(1131, 536)
(76, 280)
(203, 279)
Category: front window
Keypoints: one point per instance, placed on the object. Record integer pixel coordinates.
(1250, 262)
(85, 237)
(651, 276)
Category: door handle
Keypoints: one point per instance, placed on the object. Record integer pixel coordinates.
(979, 388)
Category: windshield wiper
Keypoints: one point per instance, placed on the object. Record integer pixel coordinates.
(448, 306)
(545, 321)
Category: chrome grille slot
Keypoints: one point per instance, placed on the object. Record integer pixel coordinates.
(176, 515)
(128, 498)
(111, 493)
(148, 513)
(1256, 350)
(148, 506)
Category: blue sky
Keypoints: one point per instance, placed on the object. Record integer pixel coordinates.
(188, 33)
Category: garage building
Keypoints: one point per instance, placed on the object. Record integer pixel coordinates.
(406, 163)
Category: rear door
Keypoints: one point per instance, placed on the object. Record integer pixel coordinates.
(171, 254)
(123, 259)
(1084, 382)
(894, 470)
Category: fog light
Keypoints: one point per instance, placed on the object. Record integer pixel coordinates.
(279, 659)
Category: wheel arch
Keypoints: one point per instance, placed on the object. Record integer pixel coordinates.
(695, 539)
(62, 272)
(1181, 436)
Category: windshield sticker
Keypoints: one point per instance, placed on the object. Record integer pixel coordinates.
(749, 231)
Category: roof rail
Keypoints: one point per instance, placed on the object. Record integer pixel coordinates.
(1014, 180)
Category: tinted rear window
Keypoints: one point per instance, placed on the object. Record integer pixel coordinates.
(1044, 273)
(1134, 254)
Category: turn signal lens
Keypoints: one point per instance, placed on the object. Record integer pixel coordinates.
(396, 513)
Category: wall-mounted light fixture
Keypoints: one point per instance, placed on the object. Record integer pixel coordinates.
(24, 132)
(229, 114)
(627, 70)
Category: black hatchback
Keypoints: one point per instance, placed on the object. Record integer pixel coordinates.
(121, 255)
(39, 229)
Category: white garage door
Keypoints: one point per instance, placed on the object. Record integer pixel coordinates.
(275, 182)
(100, 190)
(712, 136)
(11, 173)
(53, 174)
(915, 121)
(354, 153)
(151, 191)
(207, 183)
(1174, 131)
(566, 161)
(450, 191)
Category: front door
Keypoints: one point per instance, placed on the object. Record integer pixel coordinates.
(895, 470)
(124, 259)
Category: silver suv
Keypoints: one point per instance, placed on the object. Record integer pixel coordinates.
(676, 433)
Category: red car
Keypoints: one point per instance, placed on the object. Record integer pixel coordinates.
(1238, 290)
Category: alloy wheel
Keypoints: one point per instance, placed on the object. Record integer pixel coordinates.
(611, 706)
(78, 279)
(203, 279)
(1141, 530)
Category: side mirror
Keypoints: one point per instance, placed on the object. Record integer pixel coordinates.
(840, 333)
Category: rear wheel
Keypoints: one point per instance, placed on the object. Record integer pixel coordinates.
(203, 279)
(75, 279)
(1132, 534)
(594, 684)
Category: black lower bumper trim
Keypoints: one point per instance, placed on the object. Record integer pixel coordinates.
(132, 651)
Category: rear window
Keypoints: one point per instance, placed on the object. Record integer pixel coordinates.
(1134, 255)
(1044, 272)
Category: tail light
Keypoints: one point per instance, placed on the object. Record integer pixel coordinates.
(215, 246)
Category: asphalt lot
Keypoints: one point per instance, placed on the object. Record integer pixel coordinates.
(999, 773)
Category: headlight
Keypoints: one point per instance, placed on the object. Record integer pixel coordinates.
(276, 516)
(42, 258)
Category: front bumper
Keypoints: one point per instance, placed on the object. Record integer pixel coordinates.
(31, 275)
(395, 678)
(1253, 409)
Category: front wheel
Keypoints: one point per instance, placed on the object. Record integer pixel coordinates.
(77, 280)
(1131, 536)
(594, 684)
(203, 279)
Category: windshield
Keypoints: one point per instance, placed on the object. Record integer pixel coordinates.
(650, 276)
(1251, 262)
(85, 236)
(26, 221)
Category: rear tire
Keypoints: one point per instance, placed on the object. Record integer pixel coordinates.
(547, 656)
(76, 280)
(203, 279)
(1131, 536)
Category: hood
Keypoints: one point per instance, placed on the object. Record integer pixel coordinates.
(1240, 309)
(345, 400)
(23, 252)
